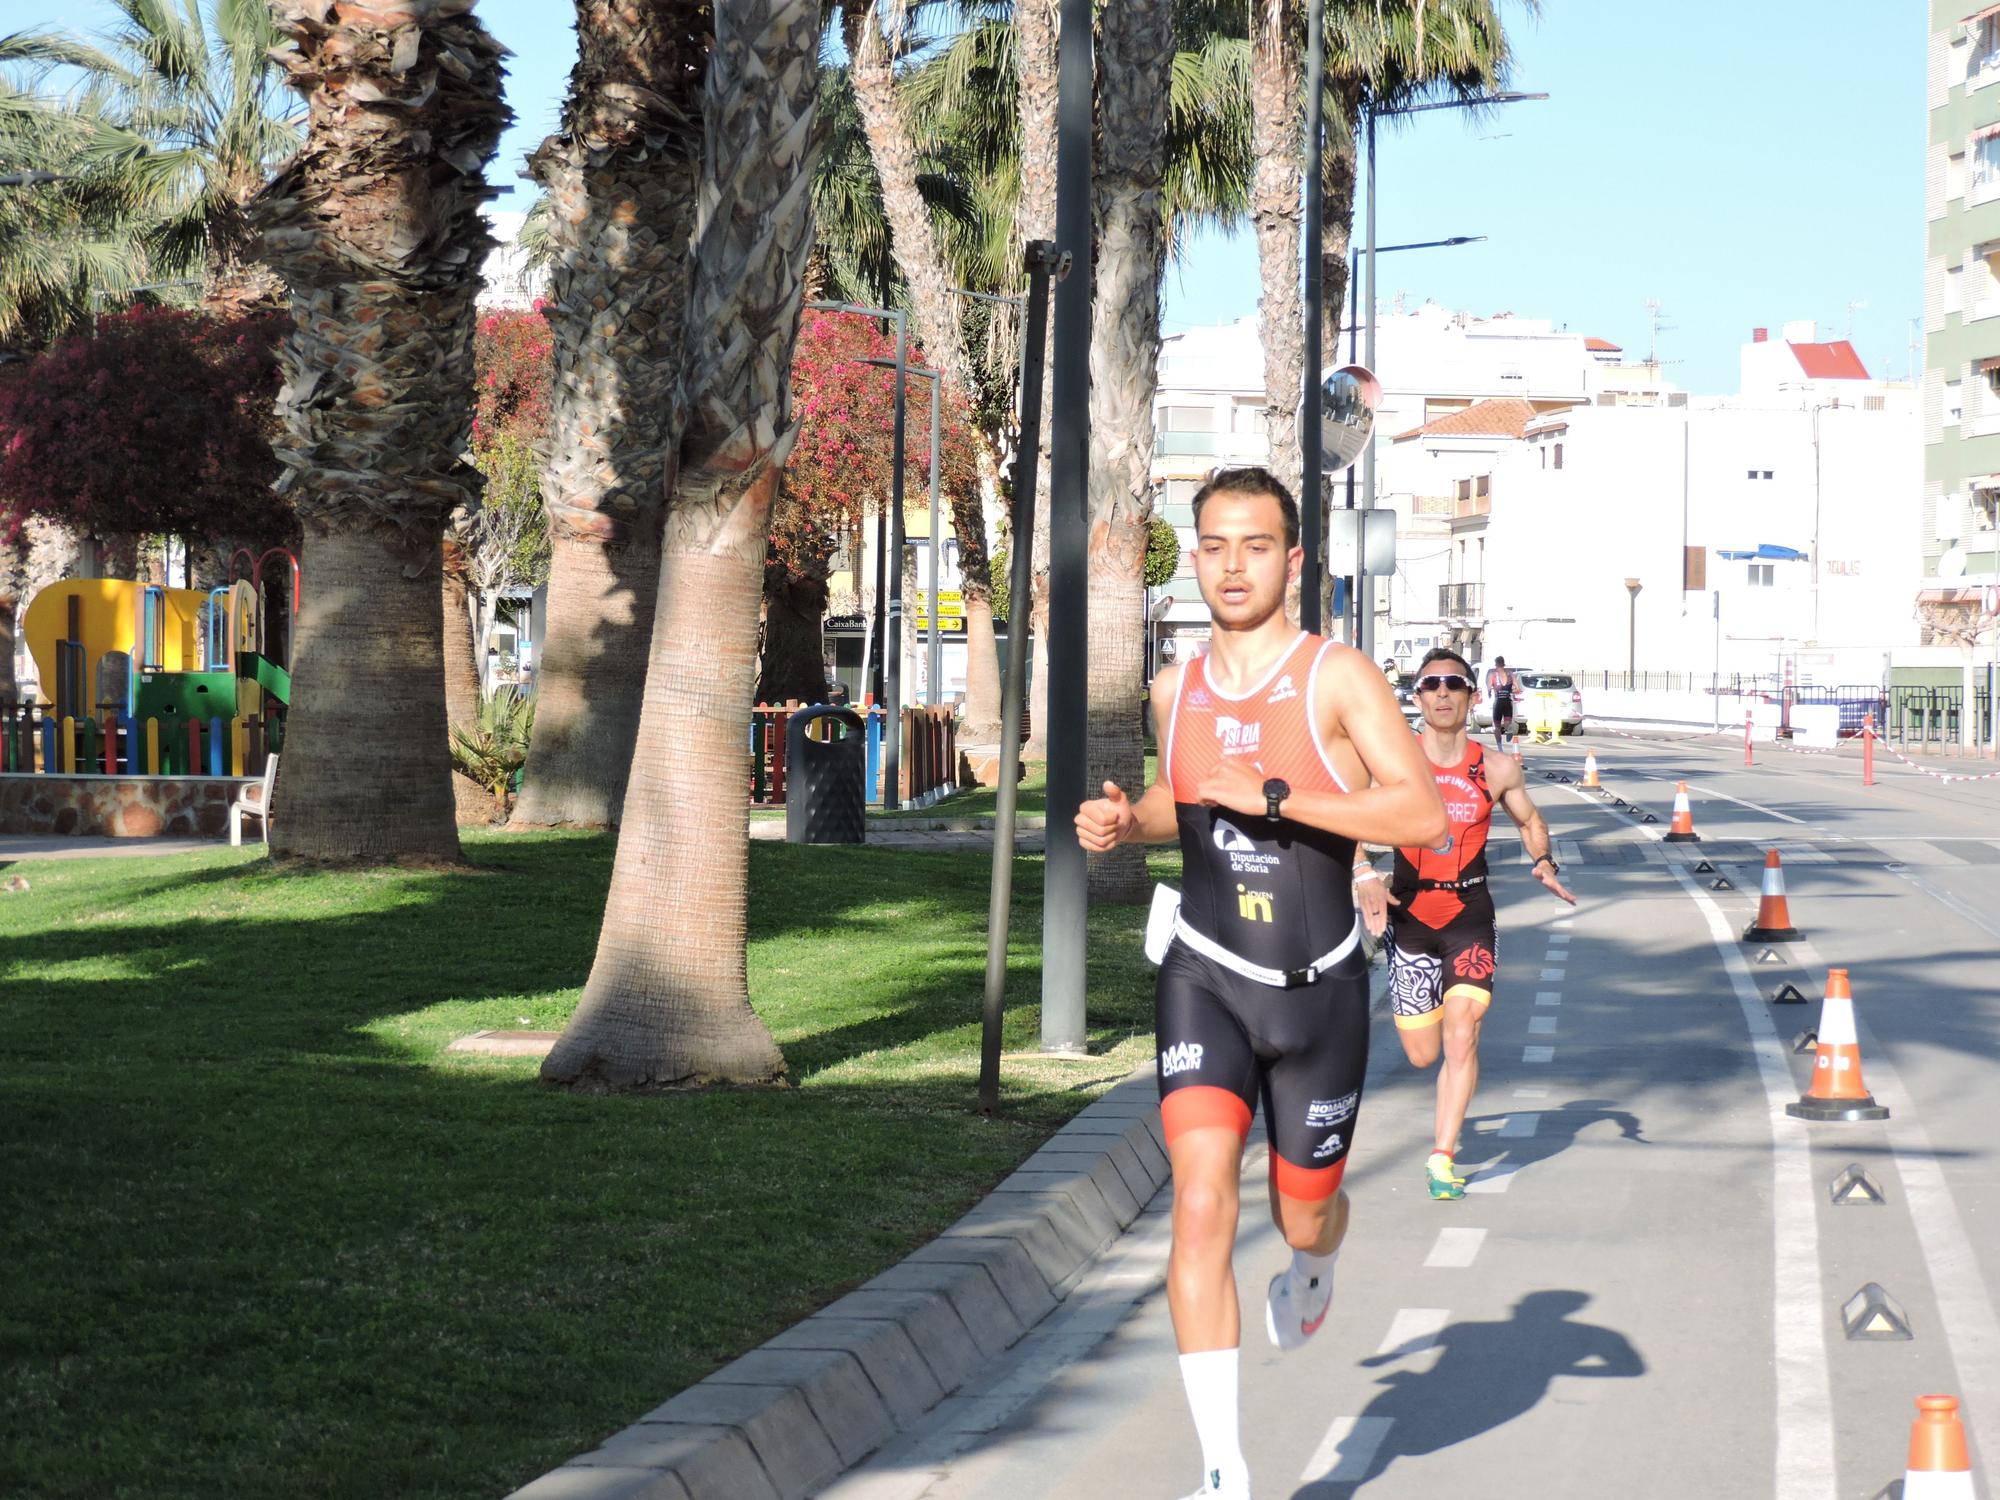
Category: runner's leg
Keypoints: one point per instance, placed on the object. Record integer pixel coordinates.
(1464, 1011)
(1201, 1285)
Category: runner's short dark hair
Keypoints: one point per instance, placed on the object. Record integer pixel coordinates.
(1251, 480)
(1444, 653)
(1499, 661)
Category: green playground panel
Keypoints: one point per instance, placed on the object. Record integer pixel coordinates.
(267, 674)
(176, 697)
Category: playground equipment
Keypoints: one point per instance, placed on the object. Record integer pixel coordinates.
(154, 680)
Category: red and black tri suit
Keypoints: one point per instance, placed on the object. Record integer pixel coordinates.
(1264, 992)
(1443, 939)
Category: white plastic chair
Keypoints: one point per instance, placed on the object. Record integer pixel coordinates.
(254, 802)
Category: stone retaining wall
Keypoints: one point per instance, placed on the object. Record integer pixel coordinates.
(119, 806)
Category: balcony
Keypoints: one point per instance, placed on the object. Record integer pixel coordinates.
(1462, 601)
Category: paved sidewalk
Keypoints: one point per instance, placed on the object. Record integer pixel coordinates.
(20, 846)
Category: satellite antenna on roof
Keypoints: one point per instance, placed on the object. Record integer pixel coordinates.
(1850, 318)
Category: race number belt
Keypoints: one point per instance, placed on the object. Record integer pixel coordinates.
(1451, 885)
(1284, 979)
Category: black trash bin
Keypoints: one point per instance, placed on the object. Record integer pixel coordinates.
(826, 793)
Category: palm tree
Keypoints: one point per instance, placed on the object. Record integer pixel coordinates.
(620, 178)
(1136, 62)
(927, 270)
(1393, 53)
(181, 117)
(376, 227)
(62, 240)
(670, 1008)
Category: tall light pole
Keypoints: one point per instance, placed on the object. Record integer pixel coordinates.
(1352, 613)
(890, 610)
(1632, 587)
(934, 653)
(1364, 586)
(1065, 889)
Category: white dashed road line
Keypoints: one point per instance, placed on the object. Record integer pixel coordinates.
(1414, 1329)
(1346, 1451)
(1455, 1248)
(1520, 1127)
(1549, 997)
(1541, 1025)
(1538, 1054)
(1552, 976)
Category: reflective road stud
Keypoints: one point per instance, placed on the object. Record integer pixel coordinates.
(1836, 1091)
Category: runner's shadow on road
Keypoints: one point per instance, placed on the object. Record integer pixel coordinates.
(1486, 1151)
(1485, 1375)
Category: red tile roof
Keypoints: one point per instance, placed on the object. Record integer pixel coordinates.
(1508, 417)
(1835, 361)
(1602, 346)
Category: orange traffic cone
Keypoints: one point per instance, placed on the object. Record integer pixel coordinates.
(1940, 1466)
(1682, 829)
(1836, 1091)
(1590, 769)
(1774, 918)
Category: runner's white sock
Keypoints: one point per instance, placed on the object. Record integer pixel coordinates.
(1210, 1378)
(1308, 1268)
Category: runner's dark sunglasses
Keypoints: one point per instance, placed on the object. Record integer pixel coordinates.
(1451, 680)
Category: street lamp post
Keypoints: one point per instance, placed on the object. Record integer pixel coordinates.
(890, 610)
(1364, 586)
(1065, 885)
(1312, 483)
(934, 652)
(1352, 613)
(1632, 587)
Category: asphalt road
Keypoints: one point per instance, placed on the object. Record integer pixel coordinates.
(1641, 1293)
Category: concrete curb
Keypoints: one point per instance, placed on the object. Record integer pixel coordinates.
(790, 1416)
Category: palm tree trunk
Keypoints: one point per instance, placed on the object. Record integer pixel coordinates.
(621, 175)
(375, 226)
(1036, 37)
(461, 645)
(913, 238)
(1277, 138)
(934, 311)
(1133, 76)
(589, 682)
(366, 769)
(667, 1002)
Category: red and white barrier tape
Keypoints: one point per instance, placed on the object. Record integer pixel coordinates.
(1938, 775)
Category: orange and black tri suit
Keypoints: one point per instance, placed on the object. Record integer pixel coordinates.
(1264, 992)
(1443, 939)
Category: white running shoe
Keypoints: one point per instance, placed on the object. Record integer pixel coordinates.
(1292, 1316)
(1215, 1487)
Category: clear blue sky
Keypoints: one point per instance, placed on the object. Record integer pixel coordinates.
(1744, 162)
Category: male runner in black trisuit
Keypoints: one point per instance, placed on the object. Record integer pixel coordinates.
(1263, 992)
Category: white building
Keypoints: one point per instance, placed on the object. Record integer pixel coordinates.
(510, 283)
(1534, 473)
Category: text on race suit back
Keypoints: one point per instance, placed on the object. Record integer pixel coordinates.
(1274, 892)
(1434, 886)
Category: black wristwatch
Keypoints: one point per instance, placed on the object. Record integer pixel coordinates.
(1554, 868)
(1275, 792)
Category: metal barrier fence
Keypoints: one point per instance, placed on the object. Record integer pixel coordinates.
(34, 741)
(927, 766)
(1934, 715)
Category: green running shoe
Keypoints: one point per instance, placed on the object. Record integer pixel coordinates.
(1442, 1177)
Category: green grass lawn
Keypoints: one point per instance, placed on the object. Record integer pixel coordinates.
(263, 1235)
